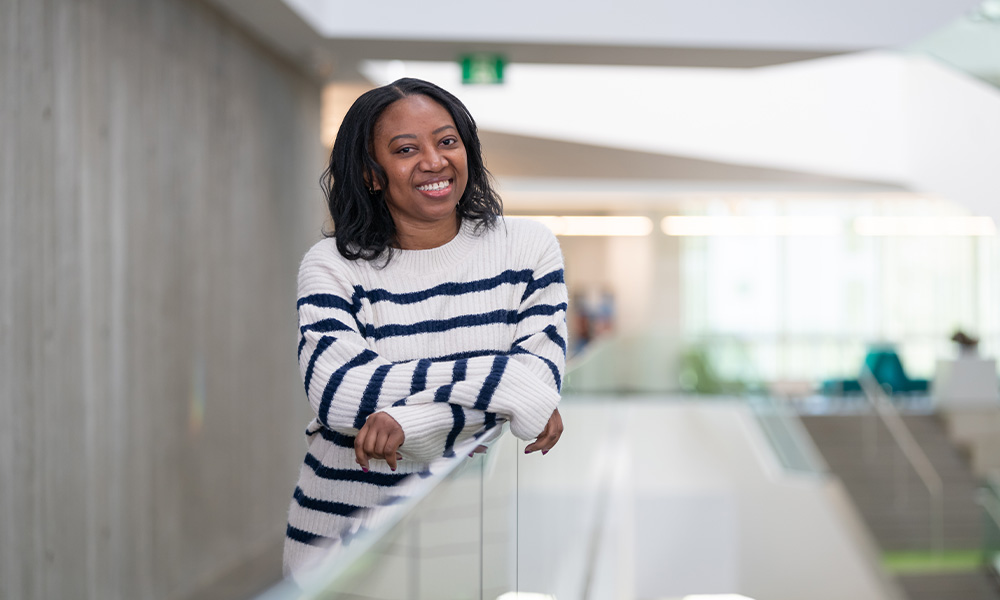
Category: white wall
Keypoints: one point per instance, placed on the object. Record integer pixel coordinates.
(778, 24)
(954, 136)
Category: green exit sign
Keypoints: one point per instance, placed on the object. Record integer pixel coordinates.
(482, 68)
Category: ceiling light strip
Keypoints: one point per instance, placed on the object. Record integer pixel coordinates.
(595, 225)
(750, 226)
(925, 226)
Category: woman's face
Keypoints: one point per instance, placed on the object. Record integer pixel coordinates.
(418, 146)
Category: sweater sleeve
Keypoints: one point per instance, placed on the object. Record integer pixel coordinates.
(346, 381)
(523, 385)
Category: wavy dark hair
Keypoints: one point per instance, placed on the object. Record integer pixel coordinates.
(362, 224)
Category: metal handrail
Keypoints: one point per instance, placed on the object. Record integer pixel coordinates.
(789, 439)
(991, 501)
(991, 505)
(912, 451)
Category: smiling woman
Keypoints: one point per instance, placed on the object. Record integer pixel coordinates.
(425, 321)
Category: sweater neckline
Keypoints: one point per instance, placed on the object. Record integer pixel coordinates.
(434, 260)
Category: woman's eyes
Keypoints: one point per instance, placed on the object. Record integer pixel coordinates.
(447, 142)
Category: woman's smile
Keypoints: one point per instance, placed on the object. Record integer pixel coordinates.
(437, 188)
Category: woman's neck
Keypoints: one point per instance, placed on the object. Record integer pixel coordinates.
(424, 236)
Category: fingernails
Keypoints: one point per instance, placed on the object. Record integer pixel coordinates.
(393, 469)
(526, 451)
(365, 469)
(544, 452)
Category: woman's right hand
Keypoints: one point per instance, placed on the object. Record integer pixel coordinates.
(380, 437)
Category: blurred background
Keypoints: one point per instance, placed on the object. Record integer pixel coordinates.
(776, 203)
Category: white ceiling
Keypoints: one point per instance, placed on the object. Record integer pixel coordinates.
(845, 25)
(853, 135)
(330, 37)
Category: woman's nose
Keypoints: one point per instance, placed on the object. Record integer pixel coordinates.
(434, 160)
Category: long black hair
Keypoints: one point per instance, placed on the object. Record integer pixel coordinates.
(362, 224)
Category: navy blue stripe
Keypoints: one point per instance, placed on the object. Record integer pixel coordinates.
(325, 301)
(326, 506)
(419, 381)
(440, 325)
(509, 317)
(551, 332)
(492, 381)
(450, 288)
(458, 418)
(489, 422)
(305, 537)
(551, 365)
(325, 326)
(544, 281)
(337, 378)
(356, 475)
(369, 400)
(466, 354)
(302, 344)
(541, 309)
(443, 393)
(458, 371)
(321, 346)
(334, 437)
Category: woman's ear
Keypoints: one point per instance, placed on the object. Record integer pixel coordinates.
(371, 182)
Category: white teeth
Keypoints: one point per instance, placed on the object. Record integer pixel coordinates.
(433, 187)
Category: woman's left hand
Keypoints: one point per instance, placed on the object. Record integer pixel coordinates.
(549, 436)
(380, 437)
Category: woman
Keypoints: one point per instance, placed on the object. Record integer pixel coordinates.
(426, 320)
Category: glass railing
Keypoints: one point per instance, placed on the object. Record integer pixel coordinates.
(502, 525)
(453, 534)
(664, 366)
(790, 441)
(499, 525)
(989, 499)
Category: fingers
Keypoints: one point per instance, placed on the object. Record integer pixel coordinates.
(359, 448)
(549, 436)
(480, 449)
(379, 438)
(392, 442)
(374, 442)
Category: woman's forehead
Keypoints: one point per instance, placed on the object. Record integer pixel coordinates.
(412, 112)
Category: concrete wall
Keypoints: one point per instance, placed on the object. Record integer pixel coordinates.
(158, 177)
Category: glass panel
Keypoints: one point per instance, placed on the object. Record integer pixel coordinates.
(563, 506)
(791, 443)
(499, 518)
(451, 536)
(990, 501)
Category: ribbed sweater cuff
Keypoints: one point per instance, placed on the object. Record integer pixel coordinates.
(423, 438)
(529, 404)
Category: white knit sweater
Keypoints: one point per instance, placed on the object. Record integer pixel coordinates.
(450, 342)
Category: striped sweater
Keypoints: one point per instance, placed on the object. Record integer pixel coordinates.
(451, 342)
